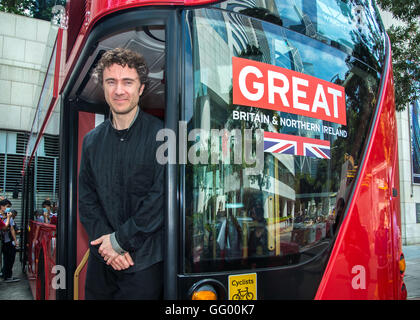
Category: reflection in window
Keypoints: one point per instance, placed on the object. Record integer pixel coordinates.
(342, 24)
(288, 211)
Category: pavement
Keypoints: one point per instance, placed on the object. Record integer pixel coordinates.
(21, 290)
(412, 273)
(16, 290)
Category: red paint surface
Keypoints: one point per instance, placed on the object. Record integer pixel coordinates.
(41, 245)
(364, 261)
(86, 123)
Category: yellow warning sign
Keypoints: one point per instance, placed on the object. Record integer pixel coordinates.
(243, 287)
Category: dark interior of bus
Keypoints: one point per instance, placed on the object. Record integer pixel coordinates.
(85, 98)
(147, 40)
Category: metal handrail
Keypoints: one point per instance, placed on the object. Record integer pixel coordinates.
(76, 275)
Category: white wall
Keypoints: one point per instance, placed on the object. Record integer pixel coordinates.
(22, 46)
(409, 192)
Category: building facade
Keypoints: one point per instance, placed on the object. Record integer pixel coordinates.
(408, 139)
(25, 49)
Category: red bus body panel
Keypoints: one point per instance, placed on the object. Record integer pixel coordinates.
(41, 245)
(86, 123)
(364, 260)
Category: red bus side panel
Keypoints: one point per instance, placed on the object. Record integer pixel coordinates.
(364, 260)
(86, 123)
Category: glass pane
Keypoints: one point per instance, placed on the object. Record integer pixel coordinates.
(46, 171)
(415, 140)
(246, 208)
(350, 26)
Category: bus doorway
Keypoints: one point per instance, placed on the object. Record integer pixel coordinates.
(85, 108)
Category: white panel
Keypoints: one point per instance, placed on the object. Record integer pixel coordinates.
(26, 28)
(11, 142)
(40, 151)
(99, 118)
(2, 142)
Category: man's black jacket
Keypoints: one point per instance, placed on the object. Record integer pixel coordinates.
(121, 188)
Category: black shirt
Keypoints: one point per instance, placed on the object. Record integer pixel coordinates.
(121, 188)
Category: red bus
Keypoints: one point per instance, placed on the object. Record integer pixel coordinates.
(285, 180)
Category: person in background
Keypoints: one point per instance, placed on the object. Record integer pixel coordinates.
(39, 216)
(9, 242)
(54, 207)
(46, 207)
(3, 226)
(53, 219)
(54, 214)
(14, 215)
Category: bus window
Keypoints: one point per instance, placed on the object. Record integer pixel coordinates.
(46, 172)
(45, 163)
(288, 209)
(341, 24)
(147, 40)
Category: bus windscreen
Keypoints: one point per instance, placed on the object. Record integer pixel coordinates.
(269, 168)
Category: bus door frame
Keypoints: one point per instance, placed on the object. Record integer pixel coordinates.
(27, 211)
(67, 221)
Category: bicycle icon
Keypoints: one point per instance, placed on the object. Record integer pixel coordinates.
(243, 295)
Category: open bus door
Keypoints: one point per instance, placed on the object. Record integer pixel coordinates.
(78, 118)
(86, 121)
(84, 107)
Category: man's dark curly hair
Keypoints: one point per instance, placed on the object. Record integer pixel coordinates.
(122, 57)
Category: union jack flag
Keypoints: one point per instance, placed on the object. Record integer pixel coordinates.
(296, 145)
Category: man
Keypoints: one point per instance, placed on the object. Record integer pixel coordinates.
(121, 188)
(46, 207)
(9, 242)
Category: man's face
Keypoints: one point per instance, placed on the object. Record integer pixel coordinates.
(122, 88)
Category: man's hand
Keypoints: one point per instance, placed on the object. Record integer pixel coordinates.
(118, 262)
(122, 262)
(105, 250)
